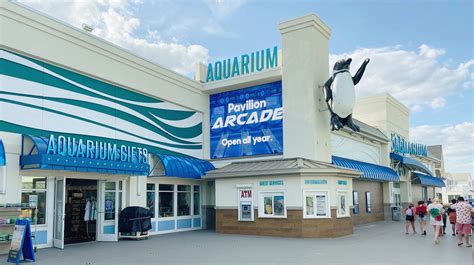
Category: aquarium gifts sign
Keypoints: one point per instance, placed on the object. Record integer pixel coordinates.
(247, 122)
(82, 148)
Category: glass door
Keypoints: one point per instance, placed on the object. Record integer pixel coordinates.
(108, 210)
(59, 214)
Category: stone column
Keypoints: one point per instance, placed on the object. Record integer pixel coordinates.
(305, 65)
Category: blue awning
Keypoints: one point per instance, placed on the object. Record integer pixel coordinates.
(425, 180)
(411, 163)
(369, 171)
(184, 167)
(35, 156)
(3, 158)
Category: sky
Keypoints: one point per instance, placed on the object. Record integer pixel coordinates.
(421, 51)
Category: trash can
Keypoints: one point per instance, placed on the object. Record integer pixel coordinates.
(396, 213)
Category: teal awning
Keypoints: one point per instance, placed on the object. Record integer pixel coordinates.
(184, 166)
(425, 180)
(411, 163)
(369, 171)
(3, 158)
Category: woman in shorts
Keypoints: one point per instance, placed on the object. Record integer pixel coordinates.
(410, 218)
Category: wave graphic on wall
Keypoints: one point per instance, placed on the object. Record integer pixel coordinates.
(43, 97)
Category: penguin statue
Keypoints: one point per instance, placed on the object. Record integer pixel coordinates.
(339, 92)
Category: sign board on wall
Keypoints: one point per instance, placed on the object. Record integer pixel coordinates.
(401, 146)
(247, 121)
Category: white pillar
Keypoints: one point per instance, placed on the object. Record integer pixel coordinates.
(305, 68)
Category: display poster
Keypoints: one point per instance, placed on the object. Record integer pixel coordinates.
(321, 205)
(309, 205)
(17, 241)
(342, 207)
(247, 122)
(33, 201)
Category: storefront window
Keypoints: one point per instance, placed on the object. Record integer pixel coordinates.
(368, 202)
(34, 193)
(184, 200)
(197, 200)
(165, 200)
(150, 198)
(272, 204)
(355, 200)
(316, 204)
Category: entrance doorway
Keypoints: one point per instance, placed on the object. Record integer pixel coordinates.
(86, 210)
(81, 211)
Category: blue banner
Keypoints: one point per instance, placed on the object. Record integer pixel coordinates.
(247, 122)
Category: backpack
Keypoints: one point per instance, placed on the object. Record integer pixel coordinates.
(421, 212)
(452, 217)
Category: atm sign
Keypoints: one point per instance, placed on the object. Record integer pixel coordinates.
(245, 194)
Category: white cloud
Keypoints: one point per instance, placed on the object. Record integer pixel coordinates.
(223, 8)
(115, 21)
(416, 78)
(457, 141)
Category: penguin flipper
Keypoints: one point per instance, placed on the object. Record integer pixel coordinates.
(327, 90)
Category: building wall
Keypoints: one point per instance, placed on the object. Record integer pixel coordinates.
(293, 226)
(384, 112)
(346, 146)
(227, 197)
(377, 202)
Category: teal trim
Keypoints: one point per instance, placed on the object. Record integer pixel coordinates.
(109, 229)
(184, 223)
(41, 237)
(110, 111)
(14, 128)
(92, 83)
(196, 222)
(165, 225)
(99, 124)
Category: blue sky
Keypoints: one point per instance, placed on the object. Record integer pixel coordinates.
(421, 51)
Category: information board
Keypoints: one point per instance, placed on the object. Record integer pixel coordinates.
(247, 122)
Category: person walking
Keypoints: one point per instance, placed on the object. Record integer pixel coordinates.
(410, 218)
(463, 221)
(435, 210)
(452, 216)
(421, 211)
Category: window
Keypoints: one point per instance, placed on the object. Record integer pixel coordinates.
(272, 204)
(424, 193)
(165, 200)
(355, 200)
(34, 189)
(184, 200)
(150, 198)
(197, 200)
(316, 204)
(368, 202)
(342, 204)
